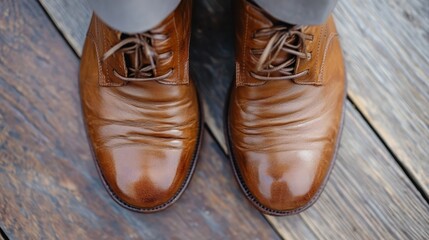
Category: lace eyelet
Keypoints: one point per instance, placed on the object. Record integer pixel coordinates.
(170, 54)
(309, 56)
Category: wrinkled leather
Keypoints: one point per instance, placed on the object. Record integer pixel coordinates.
(284, 134)
(144, 134)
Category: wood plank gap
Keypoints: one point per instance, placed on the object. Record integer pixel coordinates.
(406, 171)
(4, 236)
(61, 33)
(218, 141)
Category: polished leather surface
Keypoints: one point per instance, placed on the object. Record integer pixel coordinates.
(144, 134)
(284, 133)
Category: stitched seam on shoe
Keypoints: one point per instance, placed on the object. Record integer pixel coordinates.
(178, 50)
(91, 37)
(97, 51)
(107, 77)
(325, 53)
(186, 73)
(244, 50)
(319, 47)
(319, 44)
(100, 71)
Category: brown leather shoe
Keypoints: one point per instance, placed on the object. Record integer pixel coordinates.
(285, 109)
(141, 110)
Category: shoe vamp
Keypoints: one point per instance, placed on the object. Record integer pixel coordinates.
(146, 114)
(283, 116)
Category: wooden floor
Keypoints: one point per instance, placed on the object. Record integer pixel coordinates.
(379, 189)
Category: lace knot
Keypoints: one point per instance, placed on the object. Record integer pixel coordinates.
(282, 39)
(144, 58)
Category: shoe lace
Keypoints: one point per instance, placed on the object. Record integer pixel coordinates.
(145, 58)
(290, 40)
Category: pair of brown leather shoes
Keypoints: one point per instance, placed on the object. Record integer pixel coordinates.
(144, 118)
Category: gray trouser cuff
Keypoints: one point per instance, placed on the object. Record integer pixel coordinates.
(301, 12)
(133, 16)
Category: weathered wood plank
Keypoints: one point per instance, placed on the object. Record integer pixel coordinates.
(368, 194)
(50, 188)
(75, 17)
(386, 46)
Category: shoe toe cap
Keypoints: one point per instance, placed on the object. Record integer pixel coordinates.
(285, 181)
(144, 179)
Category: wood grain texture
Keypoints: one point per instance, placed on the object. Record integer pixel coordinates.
(386, 45)
(368, 196)
(50, 188)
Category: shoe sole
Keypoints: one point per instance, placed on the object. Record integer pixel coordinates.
(244, 187)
